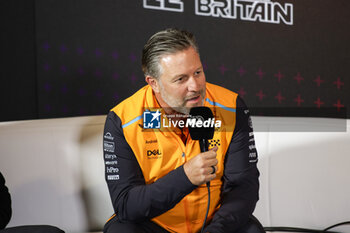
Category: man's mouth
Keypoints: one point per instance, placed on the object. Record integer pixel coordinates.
(193, 99)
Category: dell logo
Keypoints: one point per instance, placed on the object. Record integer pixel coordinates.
(153, 152)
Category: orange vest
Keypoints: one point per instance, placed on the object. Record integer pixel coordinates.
(159, 151)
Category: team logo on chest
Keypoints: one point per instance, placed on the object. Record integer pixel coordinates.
(214, 142)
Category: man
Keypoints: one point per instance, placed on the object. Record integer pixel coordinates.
(157, 177)
(5, 204)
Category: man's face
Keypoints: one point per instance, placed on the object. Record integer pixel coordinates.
(182, 81)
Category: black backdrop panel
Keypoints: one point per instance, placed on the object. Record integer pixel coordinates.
(88, 52)
(18, 99)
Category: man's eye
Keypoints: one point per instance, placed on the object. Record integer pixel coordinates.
(179, 79)
(198, 72)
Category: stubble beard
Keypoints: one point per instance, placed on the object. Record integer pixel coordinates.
(177, 105)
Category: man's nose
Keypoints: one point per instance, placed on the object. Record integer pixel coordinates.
(193, 84)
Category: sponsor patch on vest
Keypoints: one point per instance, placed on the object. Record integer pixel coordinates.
(112, 169)
(109, 136)
(108, 146)
(111, 162)
(151, 141)
(214, 142)
(154, 154)
(253, 157)
(250, 123)
(113, 177)
(110, 156)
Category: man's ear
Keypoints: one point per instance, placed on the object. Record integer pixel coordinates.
(153, 82)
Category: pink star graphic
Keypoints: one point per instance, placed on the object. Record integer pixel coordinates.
(132, 57)
(241, 71)
(98, 52)
(318, 80)
(63, 48)
(260, 73)
(298, 78)
(133, 78)
(338, 105)
(279, 97)
(261, 95)
(115, 55)
(279, 75)
(318, 102)
(338, 83)
(242, 92)
(299, 100)
(223, 69)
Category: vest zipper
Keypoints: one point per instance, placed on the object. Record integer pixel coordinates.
(183, 157)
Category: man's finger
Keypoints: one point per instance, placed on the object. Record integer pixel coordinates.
(215, 148)
(211, 153)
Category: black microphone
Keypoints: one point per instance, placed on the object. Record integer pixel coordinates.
(201, 133)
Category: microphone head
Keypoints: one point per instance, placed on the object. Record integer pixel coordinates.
(204, 130)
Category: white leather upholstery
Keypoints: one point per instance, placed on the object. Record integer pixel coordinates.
(54, 170)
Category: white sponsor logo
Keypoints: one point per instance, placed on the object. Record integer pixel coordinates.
(251, 147)
(264, 11)
(249, 10)
(110, 156)
(165, 5)
(252, 155)
(109, 136)
(112, 169)
(113, 177)
(193, 122)
(152, 120)
(111, 162)
(108, 146)
(250, 122)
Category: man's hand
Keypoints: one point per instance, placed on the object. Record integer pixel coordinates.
(199, 168)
